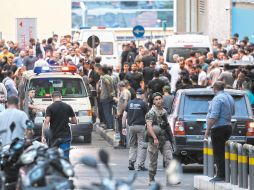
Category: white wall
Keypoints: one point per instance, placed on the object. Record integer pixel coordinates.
(52, 16)
(219, 19)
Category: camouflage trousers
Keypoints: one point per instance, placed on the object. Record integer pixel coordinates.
(153, 152)
(138, 148)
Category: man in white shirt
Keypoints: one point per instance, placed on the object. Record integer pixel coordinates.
(202, 80)
(13, 121)
(174, 72)
(77, 56)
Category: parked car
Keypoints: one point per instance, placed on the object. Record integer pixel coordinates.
(188, 121)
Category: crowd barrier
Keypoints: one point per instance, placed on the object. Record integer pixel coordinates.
(239, 163)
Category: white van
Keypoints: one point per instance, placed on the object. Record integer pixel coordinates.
(184, 44)
(107, 49)
(45, 80)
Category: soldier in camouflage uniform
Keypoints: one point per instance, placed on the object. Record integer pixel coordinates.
(159, 135)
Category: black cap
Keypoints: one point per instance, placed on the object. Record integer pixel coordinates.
(140, 91)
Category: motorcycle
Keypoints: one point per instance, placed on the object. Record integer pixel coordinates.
(9, 156)
(44, 168)
(109, 183)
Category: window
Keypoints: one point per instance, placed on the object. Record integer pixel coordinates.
(106, 48)
(69, 87)
(191, 108)
(122, 13)
(183, 52)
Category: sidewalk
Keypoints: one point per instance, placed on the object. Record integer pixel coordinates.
(202, 183)
(108, 135)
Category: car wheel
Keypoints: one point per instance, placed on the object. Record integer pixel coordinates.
(88, 138)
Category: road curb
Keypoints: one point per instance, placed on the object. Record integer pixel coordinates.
(202, 183)
(109, 136)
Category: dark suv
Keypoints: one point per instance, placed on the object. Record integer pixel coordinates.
(188, 121)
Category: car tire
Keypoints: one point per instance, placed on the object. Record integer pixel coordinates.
(88, 139)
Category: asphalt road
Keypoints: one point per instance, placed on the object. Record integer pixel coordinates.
(119, 164)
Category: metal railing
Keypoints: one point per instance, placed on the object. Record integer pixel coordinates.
(239, 163)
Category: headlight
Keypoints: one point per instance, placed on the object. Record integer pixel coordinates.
(28, 157)
(85, 113)
(67, 168)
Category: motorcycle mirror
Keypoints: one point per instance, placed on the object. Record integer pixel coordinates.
(104, 157)
(89, 161)
(174, 172)
(155, 186)
(132, 178)
(29, 124)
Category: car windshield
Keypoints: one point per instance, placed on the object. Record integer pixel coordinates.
(183, 52)
(197, 106)
(69, 87)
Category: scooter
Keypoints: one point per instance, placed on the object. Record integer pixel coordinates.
(44, 168)
(9, 156)
(110, 183)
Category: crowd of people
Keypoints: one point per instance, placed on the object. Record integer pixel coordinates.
(141, 81)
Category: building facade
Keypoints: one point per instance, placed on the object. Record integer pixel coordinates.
(211, 17)
(53, 16)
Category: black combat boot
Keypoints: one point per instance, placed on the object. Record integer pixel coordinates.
(131, 165)
(151, 179)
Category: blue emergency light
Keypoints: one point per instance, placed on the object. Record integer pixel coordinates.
(46, 69)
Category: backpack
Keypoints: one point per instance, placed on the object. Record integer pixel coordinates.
(38, 51)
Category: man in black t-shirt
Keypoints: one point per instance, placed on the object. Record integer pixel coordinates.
(148, 72)
(57, 120)
(155, 85)
(124, 72)
(134, 77)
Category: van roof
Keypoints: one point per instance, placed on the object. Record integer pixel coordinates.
(196, 40)
(31, 74)
(208, 91)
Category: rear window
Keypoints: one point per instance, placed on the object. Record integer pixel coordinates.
(196, 106)
(106, 48)
(69, 87)
(183, 52)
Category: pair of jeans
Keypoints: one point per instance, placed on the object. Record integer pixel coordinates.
(107, 105)
(219, 137)
(65, 145)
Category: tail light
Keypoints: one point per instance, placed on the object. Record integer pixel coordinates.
(85, 113)
(250, 129)
(90, 113)
(179, 128)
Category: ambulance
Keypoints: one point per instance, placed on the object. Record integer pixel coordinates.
(47, 79)
(184, 44)
(107, 49)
